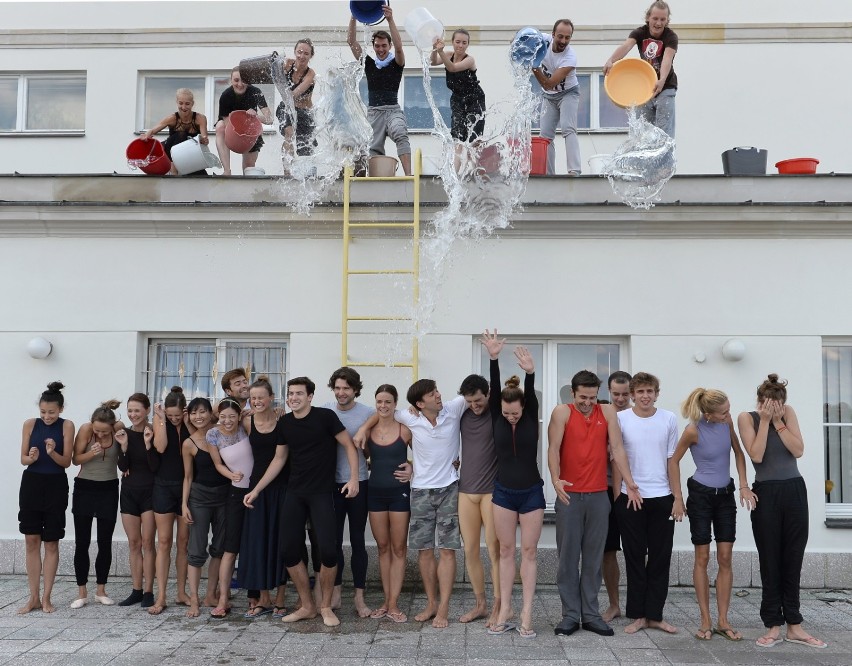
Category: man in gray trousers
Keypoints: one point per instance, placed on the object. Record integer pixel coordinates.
(577, 457)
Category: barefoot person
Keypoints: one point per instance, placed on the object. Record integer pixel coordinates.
(298, 133)
(711, 439)
(389, 500)
(650, 437)
(312, 435)
(95, 497)
(46, 445)
(773, 441)
(170, 432)
(138, 460)
(518, 489)
(240, 96)
(205, 492)
(582, 437)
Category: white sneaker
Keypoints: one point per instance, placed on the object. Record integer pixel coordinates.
(79, 603)
(106, 601)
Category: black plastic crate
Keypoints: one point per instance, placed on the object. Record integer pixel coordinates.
(744, 161)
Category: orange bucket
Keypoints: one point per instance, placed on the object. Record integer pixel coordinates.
(242, 131)
(150, 156)
(797, 165)
(538, 158)
(630, 82)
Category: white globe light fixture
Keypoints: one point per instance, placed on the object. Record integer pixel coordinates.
(39, 348)
(734, 350)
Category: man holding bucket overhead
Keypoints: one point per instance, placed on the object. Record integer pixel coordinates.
(657, 44)
(560, 89)
(384, 75)
(240, 96)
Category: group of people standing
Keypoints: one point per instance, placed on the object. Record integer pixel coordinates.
(246, 479)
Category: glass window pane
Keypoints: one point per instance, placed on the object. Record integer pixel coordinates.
(418, 114)
(838, 450)
(262, 358)
(188, 365)
(584, 111)
(602, 359)
(609, 115)
(160, 94)
(8, 103)
(56, 104)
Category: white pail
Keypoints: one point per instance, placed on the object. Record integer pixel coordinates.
(597, 162)
(188, 157)
(423, 28)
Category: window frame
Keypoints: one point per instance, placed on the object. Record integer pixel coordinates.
(24, 79)
(595, 83)
(833, 510)
(548, 374)
(413, 73)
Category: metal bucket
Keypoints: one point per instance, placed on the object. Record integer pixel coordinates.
(258, 69)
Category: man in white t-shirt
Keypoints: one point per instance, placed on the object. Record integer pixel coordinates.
(650, 438)
(557, 76)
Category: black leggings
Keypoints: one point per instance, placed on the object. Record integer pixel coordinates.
(356, 510)
(83, 537)
(320, 508)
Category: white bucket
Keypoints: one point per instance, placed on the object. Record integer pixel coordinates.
(254, 171)
(597, 163)
(188, 157)
(423, 28)
(382, 166)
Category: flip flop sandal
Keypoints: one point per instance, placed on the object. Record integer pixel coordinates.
(220, 613)
(379, 613)
(726, 633)
(256, 612)
(502, 628)
(279, 612)
(527, 633)
(702, 634)
(808, 642)
(399, 617)
(772, 642)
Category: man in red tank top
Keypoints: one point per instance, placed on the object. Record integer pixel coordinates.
(577, 457)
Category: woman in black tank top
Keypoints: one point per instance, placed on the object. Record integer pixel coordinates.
(300, 80)
(183, 124)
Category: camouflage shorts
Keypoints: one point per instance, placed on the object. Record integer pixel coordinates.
(435, 518)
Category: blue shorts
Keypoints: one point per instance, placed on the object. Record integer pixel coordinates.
(521, 501)
(396, 499)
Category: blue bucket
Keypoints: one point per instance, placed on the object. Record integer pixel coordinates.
(529, 47)
(369, 12)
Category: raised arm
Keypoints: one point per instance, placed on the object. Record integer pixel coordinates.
(527, 364)
(755, 440)
(151, 454)
(787, 426)
(123, 460)
(493, 345)
(687, 439)
(396, 39)
(618, 54)
(161, 438)
(352, 40)
(555, 431)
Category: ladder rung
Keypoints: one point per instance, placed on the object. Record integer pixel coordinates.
(380, 365)
(382, 225)
(384, 272)
(380, 178)
(379, 319)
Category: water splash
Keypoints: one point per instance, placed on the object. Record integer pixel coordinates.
(639, 168)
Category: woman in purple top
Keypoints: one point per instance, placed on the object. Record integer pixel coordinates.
(46, 446)
(710, 437)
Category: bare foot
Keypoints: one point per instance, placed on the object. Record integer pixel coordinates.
(495, 613)
(636, 625)
(426, 614)
(210, 602)
(193, 609)
(156, 609)
(662, 625)
(32, 604)
(611, 613)
(329, 619)
(182, 600)
(335, 598)
(303, 613)
(478, 612)
(440, 622)
(47, 606)
(360, 606)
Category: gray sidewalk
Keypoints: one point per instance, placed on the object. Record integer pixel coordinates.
(112, 635)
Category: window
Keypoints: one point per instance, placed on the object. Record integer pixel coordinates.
(197, 365)
(412, 98)
(157, 95)
(41, 103)
(837, 427)
(556, 362)
(596, 110)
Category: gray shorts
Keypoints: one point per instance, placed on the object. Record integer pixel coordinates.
(388, 121)
(435, 518)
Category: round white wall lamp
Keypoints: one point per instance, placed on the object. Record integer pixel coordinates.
(39, 348)
(734, 350)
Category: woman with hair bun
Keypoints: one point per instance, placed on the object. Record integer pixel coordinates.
(170, 431)
(519, 489)
(95, 496)
(773, 441)
(46, 445)
(710, 503)
(138, 460)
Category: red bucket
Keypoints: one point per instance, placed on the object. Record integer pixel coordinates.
(150, 156)
(797, 165)
(242, 131)
(538, 160)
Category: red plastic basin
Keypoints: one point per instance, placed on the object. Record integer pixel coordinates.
(798, 165)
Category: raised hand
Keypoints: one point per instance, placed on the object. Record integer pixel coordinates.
(34, 453)
(121, 438)
(160, 411)
(765, 410)
(49, 446)
(148, 436)
(492, 343)
(525, 359)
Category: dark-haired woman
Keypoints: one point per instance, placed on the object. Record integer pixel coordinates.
(261, 566)
(138, 460)
(467, 102)
(388, 499)
(518, 490)
(300, 80)
(170, 431)
(95, 497)
(205, 492)
(230, 449)
(46, 445)
(773, 441)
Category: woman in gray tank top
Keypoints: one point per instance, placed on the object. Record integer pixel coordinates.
(773, 441)
(710, 504)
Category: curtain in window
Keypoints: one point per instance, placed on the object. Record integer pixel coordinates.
(837, 397)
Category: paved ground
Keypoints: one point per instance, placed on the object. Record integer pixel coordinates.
(112, 635)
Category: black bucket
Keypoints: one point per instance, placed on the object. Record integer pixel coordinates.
(258, 69)
(744, 161)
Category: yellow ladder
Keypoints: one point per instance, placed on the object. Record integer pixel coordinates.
(414, 271)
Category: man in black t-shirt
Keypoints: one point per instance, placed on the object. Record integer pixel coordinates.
(240, 96)
(384, 75)
(312, 435)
